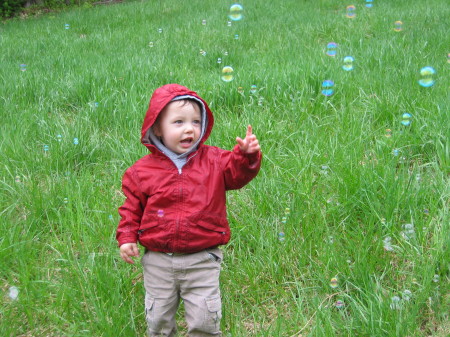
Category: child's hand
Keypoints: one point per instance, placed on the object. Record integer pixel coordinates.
(127, 250)
(250, 143)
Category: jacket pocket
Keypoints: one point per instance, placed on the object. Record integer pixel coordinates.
(154, 231)
(208, 230)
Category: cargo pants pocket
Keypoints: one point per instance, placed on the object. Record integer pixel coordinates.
(213, 314)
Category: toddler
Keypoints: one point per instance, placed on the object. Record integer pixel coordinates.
(175, 208)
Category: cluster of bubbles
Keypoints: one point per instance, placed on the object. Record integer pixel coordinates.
(287, 212)
(408, 233)
(397, 302)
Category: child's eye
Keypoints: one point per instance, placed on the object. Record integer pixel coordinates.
(178, 121)
(197, 122)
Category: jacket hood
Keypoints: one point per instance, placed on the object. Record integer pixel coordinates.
(163, 96)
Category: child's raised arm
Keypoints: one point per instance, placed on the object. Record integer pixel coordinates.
(250, 143)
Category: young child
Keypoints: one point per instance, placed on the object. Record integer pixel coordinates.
(175, 208)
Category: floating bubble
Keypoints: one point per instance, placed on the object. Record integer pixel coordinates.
(426, 211)
(350, 12)
(281, 236)
(59, 138)
(369, 3)
(46, 148)
(219, 60)
(13, 293)
(396, 152)
(327, 88)
(388, 133)
(260, 101)
(202, 52)
(387, 244)
(160, 30)
(287, 211)
(75, 141)
(204, 22)
(229, 23)
(395, 303)
(240, 90)
(23, 67)
(67, 26)
(427, 74)
(236, 36)
(334, 283)
(408, 232)
(151, 44)
(330, 239)
(160, 213)
(17, 179)
(66, 200)
(225, 53)
(331, 49)
(436, 278)
(283, 220)
(236, 11)
(383, 221)
(110, 217)
(253, 89)
(448, 58)
(406, 295)
(339, 304)
(227, 74)
(348, 63)
(398, 26)
(96, 104)
(406, 119)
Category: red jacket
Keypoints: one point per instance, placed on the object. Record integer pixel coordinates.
(169, 211)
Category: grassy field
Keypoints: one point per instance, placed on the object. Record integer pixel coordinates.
(359, 189)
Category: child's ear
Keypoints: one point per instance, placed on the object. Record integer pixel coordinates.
(156, 130)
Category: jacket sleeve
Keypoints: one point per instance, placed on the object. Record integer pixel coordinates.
(239, 168)
(132, 209)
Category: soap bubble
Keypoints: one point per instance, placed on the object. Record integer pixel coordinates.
(236, 36)
(13, 293)
(236, 12)
(426, 211)
(151, 44)
(46, 148)
(348, 63)
(253, 89)
(260, 101)
(327, 87)
(406, 119)
(350, 12)
(281, 236)
(66, 200)
(331, 49)
(369, 3)
(448, 58)
(398, 26)
(227, 74)
(160, 30)
(406, 295)
(388, 133)
(436, 278)
(395, 303)
(287, 211)
(408, 232)
(204, 22)
(59, 138)
(334, 283)
(240, 90)
(75, 141)
(283, 220)
(219, 60)
(67, 26)
(202, 52)
(387, 244)
(427, 74)
(23, 67)
(339, 304)
(160, 213)
(17, 179)
(396, 152)
(110, 217)
(229, 23)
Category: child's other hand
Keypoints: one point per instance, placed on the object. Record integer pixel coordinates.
(127, 250)
(250, 143)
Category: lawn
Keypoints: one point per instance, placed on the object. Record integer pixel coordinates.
(345, 231)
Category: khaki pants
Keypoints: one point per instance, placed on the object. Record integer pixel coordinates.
(194, 278)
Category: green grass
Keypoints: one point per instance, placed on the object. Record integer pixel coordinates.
(327, 159)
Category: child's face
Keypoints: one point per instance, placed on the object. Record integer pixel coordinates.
(179, 126)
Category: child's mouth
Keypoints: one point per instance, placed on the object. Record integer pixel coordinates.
(187, 142)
